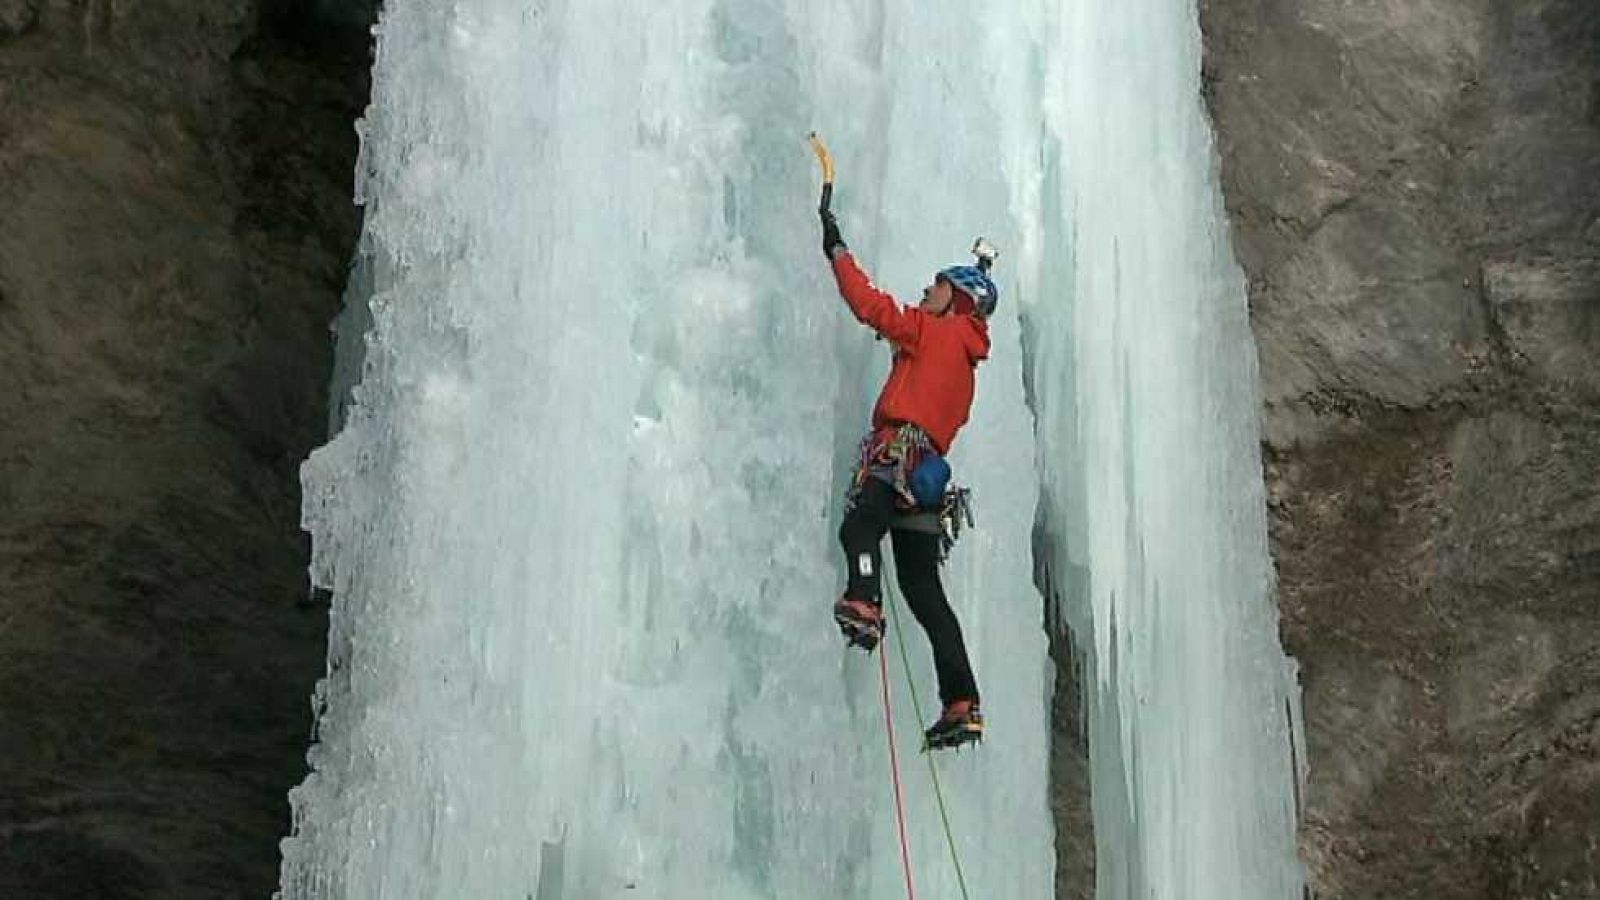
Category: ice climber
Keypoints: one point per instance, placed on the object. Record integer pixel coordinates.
(900, 485)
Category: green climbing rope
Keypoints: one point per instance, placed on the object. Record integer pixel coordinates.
(933, 771)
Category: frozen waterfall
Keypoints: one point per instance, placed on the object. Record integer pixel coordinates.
(579, 521)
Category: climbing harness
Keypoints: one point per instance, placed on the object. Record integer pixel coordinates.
(893, 455)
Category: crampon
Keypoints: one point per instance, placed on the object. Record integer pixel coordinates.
(860, 621)
(960, 724)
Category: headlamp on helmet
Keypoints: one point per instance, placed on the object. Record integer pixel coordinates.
(974, 281)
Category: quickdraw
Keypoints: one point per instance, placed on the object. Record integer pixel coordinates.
(954, 515)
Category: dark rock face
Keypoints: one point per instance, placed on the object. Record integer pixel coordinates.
(174, 228)
(1415, 192)
(17, 16)
(1070, 805)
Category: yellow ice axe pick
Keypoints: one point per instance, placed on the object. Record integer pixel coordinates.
(826, 158)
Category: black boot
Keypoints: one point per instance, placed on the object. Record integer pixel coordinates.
(960, 724)
(861, 622)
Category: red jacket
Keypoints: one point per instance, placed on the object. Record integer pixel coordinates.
(934, 357)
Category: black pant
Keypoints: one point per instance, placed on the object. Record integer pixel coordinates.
(916, 560)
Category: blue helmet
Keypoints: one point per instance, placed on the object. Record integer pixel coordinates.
(974, 281)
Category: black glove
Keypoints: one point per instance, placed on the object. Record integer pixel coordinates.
(830, 234)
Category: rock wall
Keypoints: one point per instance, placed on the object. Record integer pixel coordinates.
(175, 223)
(1415, 192)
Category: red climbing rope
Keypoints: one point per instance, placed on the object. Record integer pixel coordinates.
(894, 767)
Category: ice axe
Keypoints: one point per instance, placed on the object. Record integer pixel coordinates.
(826, 158)
(981, 248)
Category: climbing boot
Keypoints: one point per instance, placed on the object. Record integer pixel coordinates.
(860, 621)
(961, 723)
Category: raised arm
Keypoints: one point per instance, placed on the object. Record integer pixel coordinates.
(873, 307)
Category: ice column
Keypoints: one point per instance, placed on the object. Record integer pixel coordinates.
(579, 520)
(1146, 393)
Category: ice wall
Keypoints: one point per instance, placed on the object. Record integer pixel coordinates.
(1145, 384)
(579, 522)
